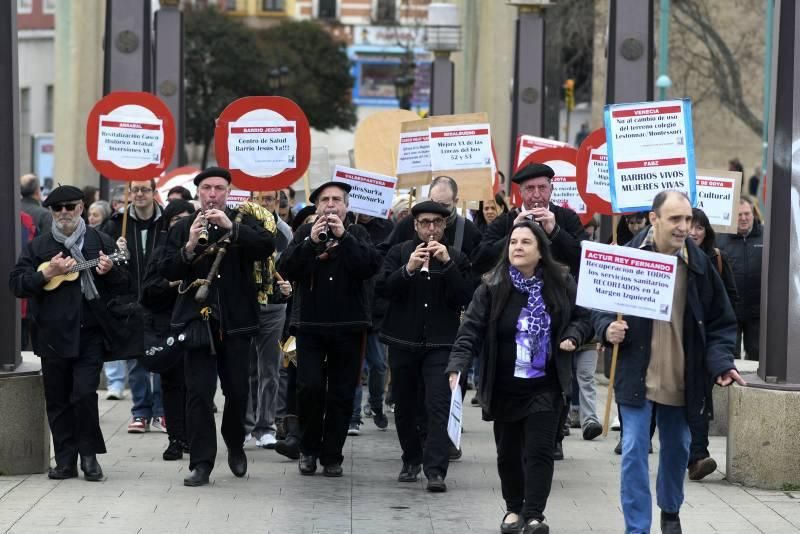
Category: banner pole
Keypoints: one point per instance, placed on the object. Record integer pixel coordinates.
(615, 352)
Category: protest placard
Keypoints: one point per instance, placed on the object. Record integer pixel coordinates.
(597, 180)
(182, 176)
(414, 154)
(718, 195)
(377, 138)
(262, 148)
(626, 280)
(456, 415)
(130, 141)
(565, 187)
(528, 144)
(237, 197)
(650, 149)
(371, 193)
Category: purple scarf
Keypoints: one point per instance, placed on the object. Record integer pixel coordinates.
(533, 327)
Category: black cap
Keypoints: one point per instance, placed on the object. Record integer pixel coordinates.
(533, 170)
(429, 206)
(341, 185)
(63, 193)
(212, 172)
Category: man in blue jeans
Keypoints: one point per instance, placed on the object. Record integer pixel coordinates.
(666, 364)
(375, 365)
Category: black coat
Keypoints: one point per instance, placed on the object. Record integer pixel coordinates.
(233, 293)
(744, 255)
(332, 293)
(56, 315)
(478, 337)
(718, 259)
(565, 241)
(709, 337)
(424, 309)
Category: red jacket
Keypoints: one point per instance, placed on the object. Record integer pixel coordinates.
(28, 233)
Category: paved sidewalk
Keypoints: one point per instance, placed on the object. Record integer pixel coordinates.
(144, 494)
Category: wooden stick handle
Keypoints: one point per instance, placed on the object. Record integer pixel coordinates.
(278, 277)
(612, 373)
(125, 213)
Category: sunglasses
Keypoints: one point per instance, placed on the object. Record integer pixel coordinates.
(69, 207)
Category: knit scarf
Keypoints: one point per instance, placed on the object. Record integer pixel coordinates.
(533, 327)
(74, 243)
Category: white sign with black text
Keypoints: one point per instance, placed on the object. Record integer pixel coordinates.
(460, 147)
(130, 142)
(371, 193)
(262, 147)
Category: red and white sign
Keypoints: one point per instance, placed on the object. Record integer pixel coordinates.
(414, 154)
(718, 194)
(460, 147)
(592, 172)
(371, 193)
(237, 197)
(182, 176)
(130, 136)
(528, 144)
(265, 142)
(626, 280)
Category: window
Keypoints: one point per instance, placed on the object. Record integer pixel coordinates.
(48, 109)
(385, 11)
(326, 9)
(25, 129)
(25, 6)
(49, 7)
(230, 5)
(272, 5)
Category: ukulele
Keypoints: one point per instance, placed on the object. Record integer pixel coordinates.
(73, 273)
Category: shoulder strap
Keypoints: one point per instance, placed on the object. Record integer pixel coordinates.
(719, 260)
(461, 222)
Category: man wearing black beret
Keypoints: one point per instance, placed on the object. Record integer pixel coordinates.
(426, 284)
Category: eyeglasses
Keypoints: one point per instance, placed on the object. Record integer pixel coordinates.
(430, 222)
(143, 190)
(69, 207)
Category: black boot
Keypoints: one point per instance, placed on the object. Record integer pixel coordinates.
(290, 447)
(198, 476)
(91, 469)
(237, 461)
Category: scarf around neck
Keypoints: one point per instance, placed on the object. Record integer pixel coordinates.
(74, 243)
(533, 327)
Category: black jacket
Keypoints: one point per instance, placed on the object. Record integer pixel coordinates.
(424, 308)
(332, 293)
(478, 337)
(232, 294)
(744, 254)
(565, 241)
(57, 315)
(718, 259)
(709, 335)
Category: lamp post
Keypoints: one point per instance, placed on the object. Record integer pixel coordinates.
(442, 37)
(168, 72)
(663, 82)
(403, 88)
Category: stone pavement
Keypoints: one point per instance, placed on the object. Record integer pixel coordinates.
(144, 494)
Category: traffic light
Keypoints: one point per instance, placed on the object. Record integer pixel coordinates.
(569, 94)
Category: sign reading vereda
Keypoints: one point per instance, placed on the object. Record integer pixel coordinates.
(650, 149)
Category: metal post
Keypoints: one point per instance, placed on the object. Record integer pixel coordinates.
(10, 357)
(128, 51)
(169, 72)
(780, 287)
(629, 77)
(663, 50)
(767, 89)
(442, 77)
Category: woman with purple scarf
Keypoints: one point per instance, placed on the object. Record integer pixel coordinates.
(523, 324)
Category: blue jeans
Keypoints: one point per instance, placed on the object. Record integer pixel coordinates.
(115, 375)
(145, 390)
(375, 363)
(674, 437)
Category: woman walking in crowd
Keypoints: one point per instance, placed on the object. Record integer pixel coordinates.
(489, 210)
(99, 212)
(524, 317)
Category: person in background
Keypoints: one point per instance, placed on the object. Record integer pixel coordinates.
(179, 192)
(31, 203)
(99, 212)
(734, 165)
(118, 198)
(592, 228)
(289, 192)
(400, 208)
(582, 134)
(284, 210)
(754, 181)
(488, 211)
(91, 194)
(28, 232)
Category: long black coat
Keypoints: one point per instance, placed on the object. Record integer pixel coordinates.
(744, 255)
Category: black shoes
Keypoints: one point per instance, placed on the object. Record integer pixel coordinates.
(670, 523)
(62, 472)
(332, 470)
(91, 469)
(380, 420)
(513, 527)
(409, 473)
(198, 476)
(436, 484)
(289, 446)
(558, 451)
(702, 468)
(174, 451)
(307, 464)
(535, 526)
(592, 430)
(237, 461)
(454, 452)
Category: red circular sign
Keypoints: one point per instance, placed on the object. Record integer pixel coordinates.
(283, 109)
(593, 141)
(129, 112)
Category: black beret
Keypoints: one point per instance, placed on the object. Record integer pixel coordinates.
(429, 206)
(341, 185)
(212, 172)
(63, 193)
(533, 170)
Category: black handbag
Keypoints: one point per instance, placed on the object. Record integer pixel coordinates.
(196, 334)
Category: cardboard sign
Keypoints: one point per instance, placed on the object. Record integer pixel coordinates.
(265, 141)
(237, 197)
(718, 195)
(626, 280)
(377, 138)
(130, 136)
(414, 154)
(182, 176)
(528, 144)
(372, 193)
(456, 415)
(650, 149)
(597, 179)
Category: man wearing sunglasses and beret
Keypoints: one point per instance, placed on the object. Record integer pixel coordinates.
(66, 327)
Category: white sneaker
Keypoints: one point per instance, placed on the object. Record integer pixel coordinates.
(247, 438)
(616, 424)
(267, 441)
(354, 429)
(159, 424)
(115, 394)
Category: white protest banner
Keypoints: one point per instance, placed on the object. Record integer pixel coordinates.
(565, 187)
(528, 144)
(128, 141)
(262, 147)
(650, 149)
(456, 414)
(372, 193)
(626, 280)
(597, 178)
(466, 146)
(718, 196)
(237, 197)
(414, 154)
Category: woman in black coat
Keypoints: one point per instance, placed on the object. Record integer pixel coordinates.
(524, 323)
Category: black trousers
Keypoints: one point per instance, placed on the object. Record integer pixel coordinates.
(407, 367)
(749, 332)
(328, 369)
(173, 394)
(232, 365)
(525, 461)
(70, 392)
